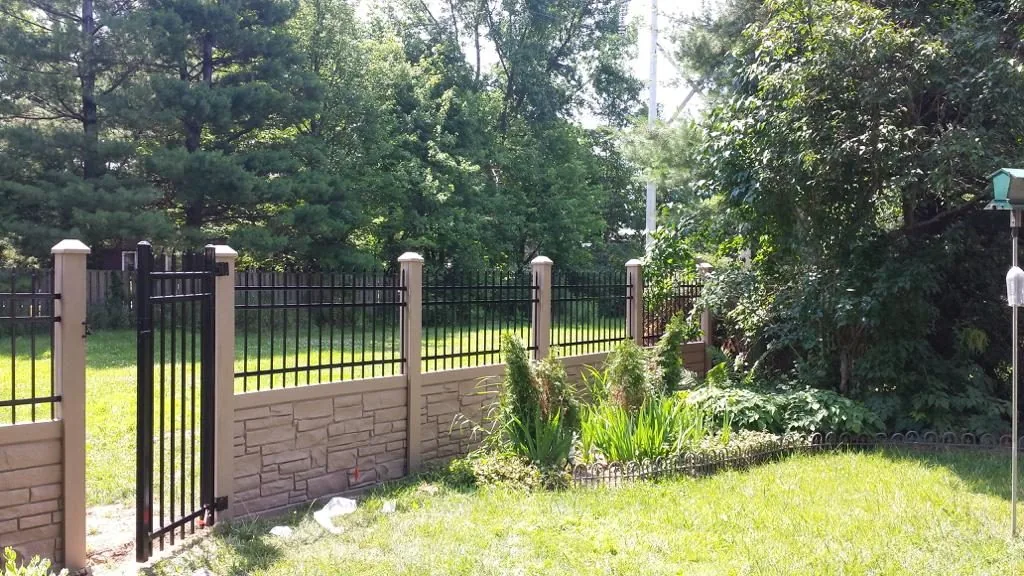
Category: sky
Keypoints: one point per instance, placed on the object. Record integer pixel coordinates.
(669, 92)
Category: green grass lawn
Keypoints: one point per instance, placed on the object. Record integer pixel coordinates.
(111, 392)
(851, 514)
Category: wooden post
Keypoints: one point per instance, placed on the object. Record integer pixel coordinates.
(411, 267)
(69, 383)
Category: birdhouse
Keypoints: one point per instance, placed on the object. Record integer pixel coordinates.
(1007, 189)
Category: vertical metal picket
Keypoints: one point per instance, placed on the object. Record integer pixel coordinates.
(208, 386)
(144, 443)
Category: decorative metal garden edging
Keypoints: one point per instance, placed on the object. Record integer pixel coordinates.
(772, 449)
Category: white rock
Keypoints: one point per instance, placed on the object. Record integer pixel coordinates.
(337, 506)
(281, 531)
(389, 507)
(203, 572)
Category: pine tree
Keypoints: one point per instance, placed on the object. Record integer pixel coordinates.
(226, 92)
(61, 171)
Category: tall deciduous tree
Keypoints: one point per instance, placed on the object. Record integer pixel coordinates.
(847, 143)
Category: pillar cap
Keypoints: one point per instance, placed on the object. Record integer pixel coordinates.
(223, 251)
(634, 262)
(541, 261)
(68, 246)
(410, 257)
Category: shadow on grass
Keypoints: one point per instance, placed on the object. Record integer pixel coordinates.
(243, 547)
(983, 471)
(246, 546)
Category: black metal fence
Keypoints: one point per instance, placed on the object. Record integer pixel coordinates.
(588, 311)
(175, 409)
(660, 308)
(26, 346)
(294, 329)
(465, 315)
(740, 457)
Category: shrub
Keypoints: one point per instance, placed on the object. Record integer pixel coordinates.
(805, 410)
(667, 354)
(557, 397)
(536, 413)
(35, 566)
(504, 469)
(520, 397)
(627, 376)
(660, 427)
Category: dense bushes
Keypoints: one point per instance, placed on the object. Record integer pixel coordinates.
(779, 408)
(636, 411)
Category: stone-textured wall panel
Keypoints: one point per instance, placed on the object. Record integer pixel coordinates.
(31, 493)
(294, 452)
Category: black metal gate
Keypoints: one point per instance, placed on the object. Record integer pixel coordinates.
(175, 454)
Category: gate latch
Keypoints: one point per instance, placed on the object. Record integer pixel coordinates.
(221, 268)
(220, 503)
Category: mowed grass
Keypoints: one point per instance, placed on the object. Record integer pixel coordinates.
(847, 513)
(111, 396)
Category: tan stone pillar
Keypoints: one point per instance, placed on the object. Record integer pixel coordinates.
(224, 378)
(411, 267)
(707, 320)
(69, 382)
(541, 267)
(635, 301)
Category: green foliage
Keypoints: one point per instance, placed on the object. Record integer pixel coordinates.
(658, 427)
(626, 376)
(313, 135)
(544, 441)
(843, 216)
(113, 312)
(501, 469)
(556, 396)
(668, 353)
(35, 566)
(803, 410)
(536, 413)
(520, 397)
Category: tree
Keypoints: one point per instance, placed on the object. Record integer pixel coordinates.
(64, 171)
(847, 145)
(225, 92)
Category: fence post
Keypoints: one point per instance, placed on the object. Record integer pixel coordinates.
(635, 301)
(707, 320)
(411, 266)
(69, 382)
(224, 376)
(541, 267)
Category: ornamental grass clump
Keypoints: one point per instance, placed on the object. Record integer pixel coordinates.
(659, 427)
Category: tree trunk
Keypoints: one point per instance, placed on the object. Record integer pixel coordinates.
(195, 211)
(91, 164)
(845, 367)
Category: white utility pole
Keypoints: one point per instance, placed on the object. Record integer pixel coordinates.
(652, 117)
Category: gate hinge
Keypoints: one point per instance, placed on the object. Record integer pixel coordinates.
(220, 503)
(221, 268)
